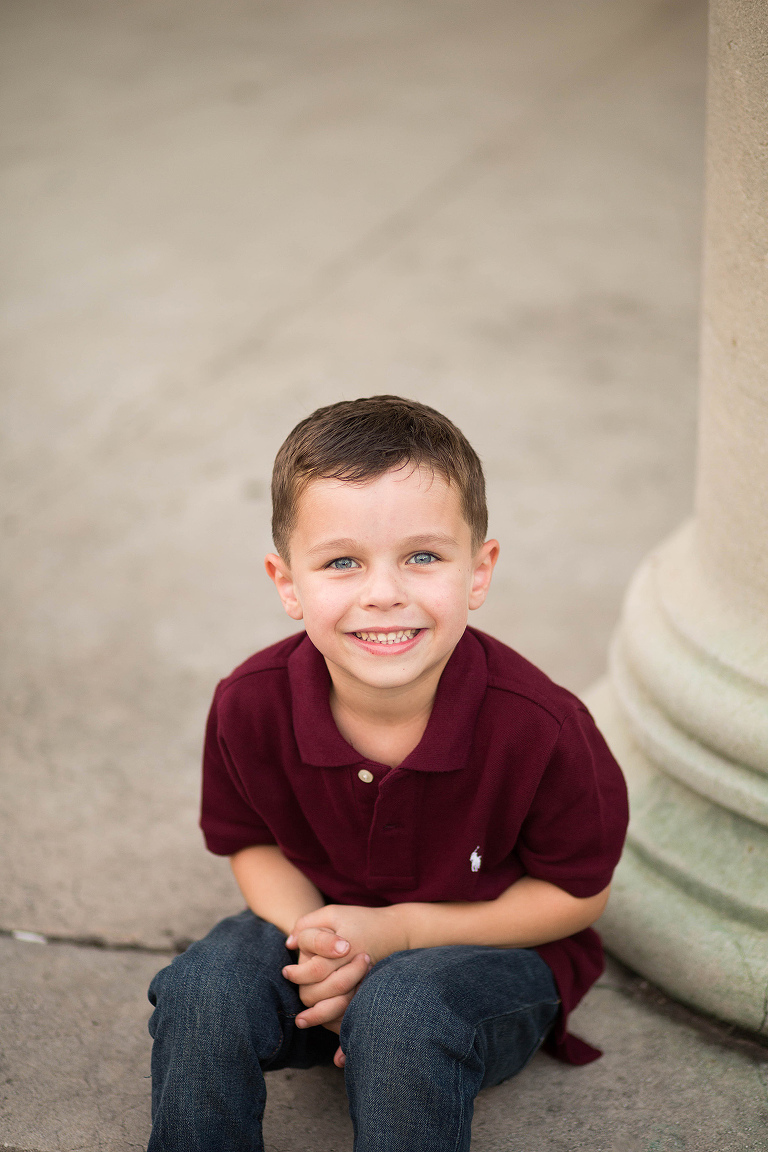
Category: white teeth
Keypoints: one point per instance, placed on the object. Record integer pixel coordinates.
(388, 637)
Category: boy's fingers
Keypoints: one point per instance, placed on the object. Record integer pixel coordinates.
(338, 983)
(323, 1012)
(313, 969)
(321, 942)
(339, 1058)
(309, 971)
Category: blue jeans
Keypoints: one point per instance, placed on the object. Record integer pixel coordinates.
(426, 1031)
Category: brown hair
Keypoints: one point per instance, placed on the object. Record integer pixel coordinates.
(358, 440)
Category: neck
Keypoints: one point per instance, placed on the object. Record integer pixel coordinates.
(384, 724)
(385, 707)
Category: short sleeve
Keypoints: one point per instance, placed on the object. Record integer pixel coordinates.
(574, 830)
(227, 819)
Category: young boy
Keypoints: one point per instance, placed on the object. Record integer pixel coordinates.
(423, 826)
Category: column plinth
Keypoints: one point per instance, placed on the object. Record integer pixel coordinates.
(685, 704)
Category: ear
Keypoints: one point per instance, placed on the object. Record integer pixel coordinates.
(280, 575)
(483, 565)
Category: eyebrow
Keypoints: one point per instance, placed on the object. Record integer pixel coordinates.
(346, 544)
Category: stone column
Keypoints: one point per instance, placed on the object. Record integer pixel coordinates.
(685, 705)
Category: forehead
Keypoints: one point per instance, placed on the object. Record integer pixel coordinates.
(404, 499)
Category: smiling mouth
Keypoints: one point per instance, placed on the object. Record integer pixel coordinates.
(398, 637)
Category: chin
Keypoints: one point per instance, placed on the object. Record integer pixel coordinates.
(391, 677)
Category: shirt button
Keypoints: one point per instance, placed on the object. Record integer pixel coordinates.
(365, 776)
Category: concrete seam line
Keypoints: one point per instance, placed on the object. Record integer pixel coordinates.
(97, 943)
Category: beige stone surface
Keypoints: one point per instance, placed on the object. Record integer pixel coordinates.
(732, 511)
(223, 216)
(75, 1048)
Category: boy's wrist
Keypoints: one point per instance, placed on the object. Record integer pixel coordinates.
(401, 918)
(428, 924)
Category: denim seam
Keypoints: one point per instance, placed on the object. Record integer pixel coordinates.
(501, 1015)
(460, 1126)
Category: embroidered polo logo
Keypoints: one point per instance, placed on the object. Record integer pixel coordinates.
(475, 860)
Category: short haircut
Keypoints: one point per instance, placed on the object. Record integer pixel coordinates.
(358, 440)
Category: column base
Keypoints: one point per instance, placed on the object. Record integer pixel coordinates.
(670, 917)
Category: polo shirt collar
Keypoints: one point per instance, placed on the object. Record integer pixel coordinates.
(446, 742)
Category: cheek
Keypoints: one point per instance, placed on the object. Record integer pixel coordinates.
(449, 599)
(325, 602)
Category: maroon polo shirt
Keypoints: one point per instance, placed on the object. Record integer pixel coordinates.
(511, 778)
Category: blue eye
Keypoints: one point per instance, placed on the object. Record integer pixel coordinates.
(343, 564)
(422, 558)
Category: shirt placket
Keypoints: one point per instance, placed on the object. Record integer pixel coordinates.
(391, 848)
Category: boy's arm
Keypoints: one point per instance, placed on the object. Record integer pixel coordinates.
(528, 913)
(274, 888)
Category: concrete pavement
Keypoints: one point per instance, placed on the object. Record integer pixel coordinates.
(217, 218)
(76, 1060)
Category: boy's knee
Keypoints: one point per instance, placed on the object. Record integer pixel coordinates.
(399, 1002)
(241, 956)
(204, 994)
(190, 984)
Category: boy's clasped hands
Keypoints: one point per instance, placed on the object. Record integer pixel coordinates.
(338, 945)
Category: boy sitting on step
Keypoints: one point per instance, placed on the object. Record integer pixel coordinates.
(422, 824)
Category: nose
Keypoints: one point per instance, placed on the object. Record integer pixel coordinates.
(384, 588)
